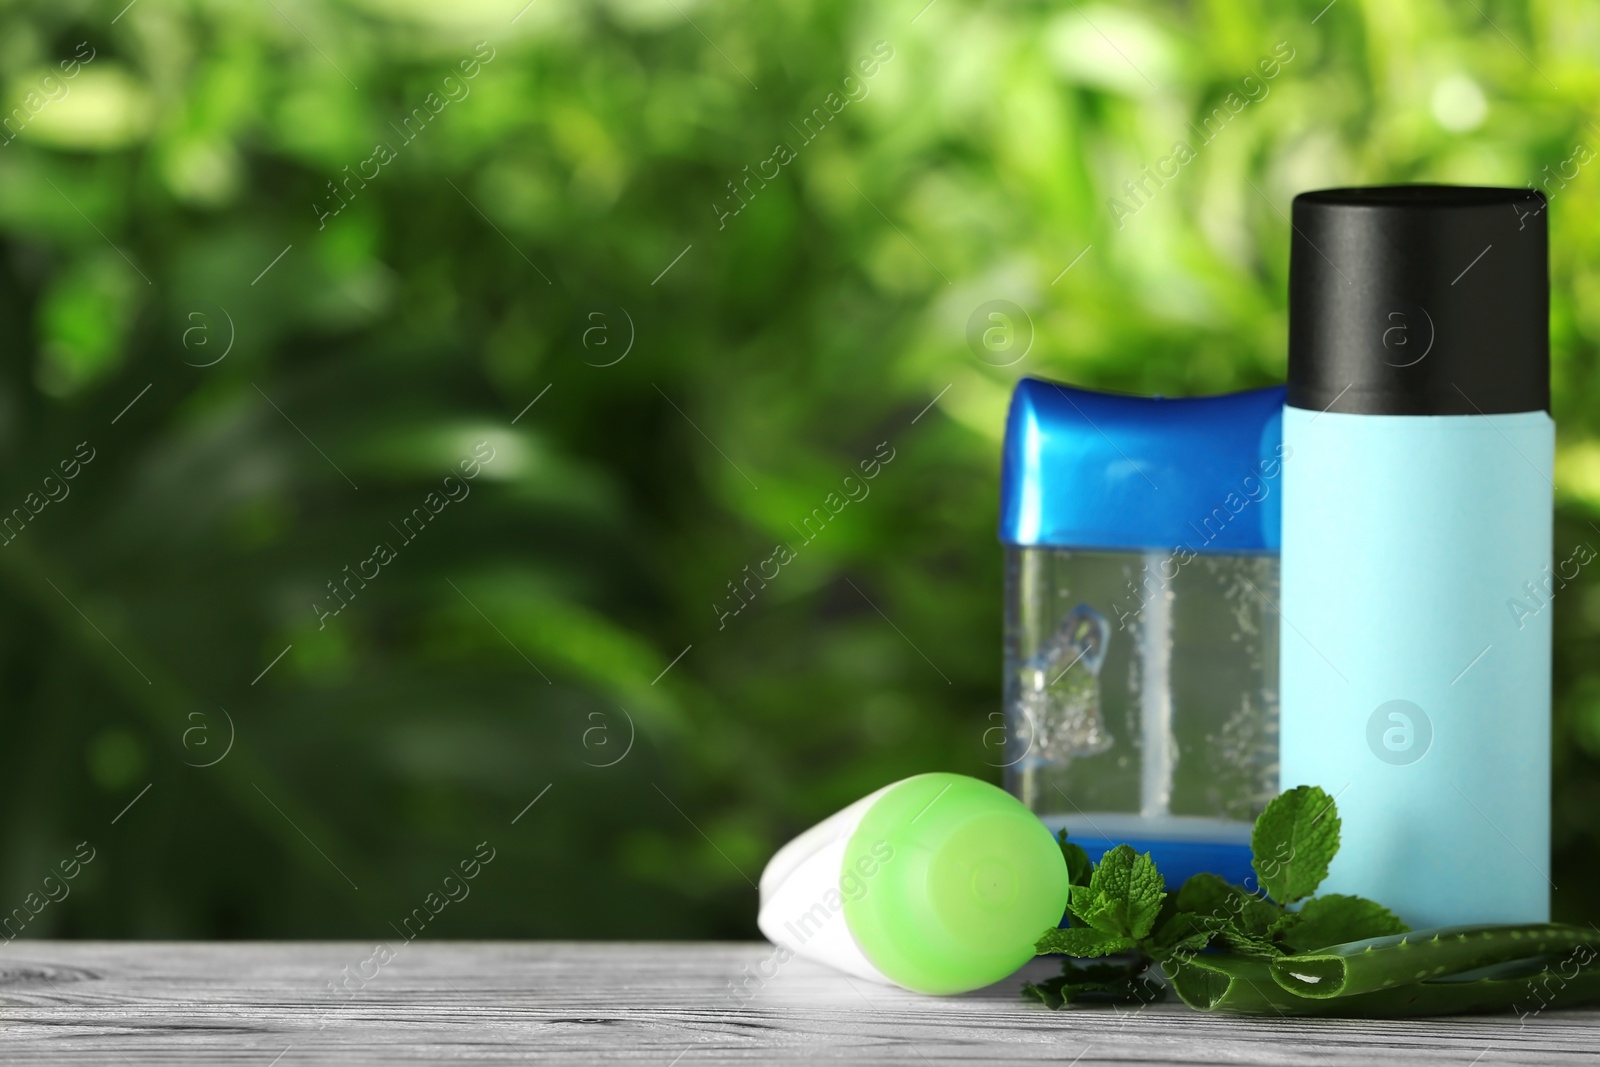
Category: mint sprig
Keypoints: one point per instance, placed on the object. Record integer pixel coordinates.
(1279, 948)
(1123, 896)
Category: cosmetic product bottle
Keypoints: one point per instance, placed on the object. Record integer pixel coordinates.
(1417, 544)
(938, 883)
(1141, 645)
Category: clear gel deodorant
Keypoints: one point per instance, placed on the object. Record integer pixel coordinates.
(1416, 511)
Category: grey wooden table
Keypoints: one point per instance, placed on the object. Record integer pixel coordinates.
(288, 1004)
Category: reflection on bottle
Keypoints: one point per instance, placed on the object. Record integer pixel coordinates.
(1060, 693)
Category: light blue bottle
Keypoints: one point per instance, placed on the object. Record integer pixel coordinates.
(1415, 665)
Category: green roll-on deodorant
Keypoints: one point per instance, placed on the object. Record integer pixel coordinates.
(938, 883)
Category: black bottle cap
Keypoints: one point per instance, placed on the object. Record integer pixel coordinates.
(1419, 300)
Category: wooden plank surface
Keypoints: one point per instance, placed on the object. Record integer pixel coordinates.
(662, 1004)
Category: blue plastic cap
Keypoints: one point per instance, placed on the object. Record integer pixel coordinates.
(1091, 470)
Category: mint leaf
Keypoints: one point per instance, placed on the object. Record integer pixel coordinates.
(1105, 983)
(1078, 866)
(1293, 842)
(1047, 992)
(1082, 942)
(1123, 896)
(1250, 930)
(1336, 919)
(1185, 932)
(1256, 948)
(1286, 921)
(1256, 917)
(1210, 895)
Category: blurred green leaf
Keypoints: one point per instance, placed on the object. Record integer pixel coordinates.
(603, 589)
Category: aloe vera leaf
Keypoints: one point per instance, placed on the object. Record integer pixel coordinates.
(1401, 959)
(1522, 996)
(1230, 984)
(1550, 986)
(1222, 984)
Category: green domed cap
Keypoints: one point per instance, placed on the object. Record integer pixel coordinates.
(949, 881)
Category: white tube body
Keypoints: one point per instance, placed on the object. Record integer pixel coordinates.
(802, 908)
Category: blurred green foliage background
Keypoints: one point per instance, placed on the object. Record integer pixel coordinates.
(301, 379)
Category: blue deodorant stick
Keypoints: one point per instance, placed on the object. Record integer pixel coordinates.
(1141, 622)
(1417, 499)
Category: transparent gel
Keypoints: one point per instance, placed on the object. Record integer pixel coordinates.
(1141, 696)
